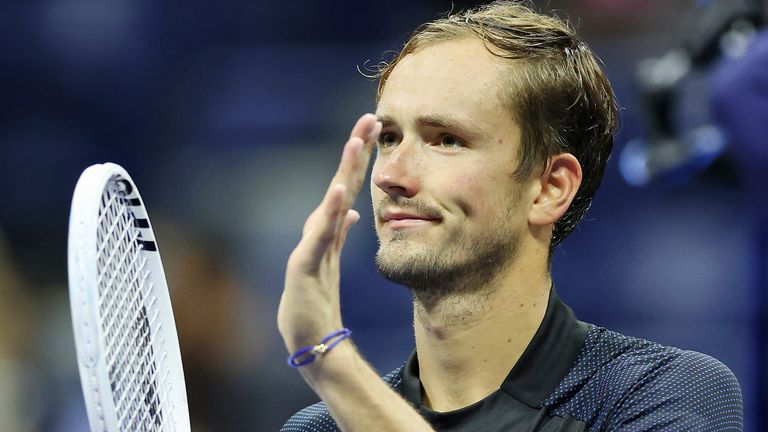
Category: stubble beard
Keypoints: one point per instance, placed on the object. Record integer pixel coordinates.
(463, 266)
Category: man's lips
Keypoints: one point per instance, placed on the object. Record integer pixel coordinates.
(401, 219)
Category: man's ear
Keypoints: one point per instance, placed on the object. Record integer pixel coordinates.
(559, 184)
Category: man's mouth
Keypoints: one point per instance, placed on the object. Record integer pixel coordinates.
(398, 218)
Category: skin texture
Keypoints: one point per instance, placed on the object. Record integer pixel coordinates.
(444, 165)
(444, 200)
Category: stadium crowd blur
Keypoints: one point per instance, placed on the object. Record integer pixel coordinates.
(230, 117)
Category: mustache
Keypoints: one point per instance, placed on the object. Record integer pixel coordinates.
(407, 204)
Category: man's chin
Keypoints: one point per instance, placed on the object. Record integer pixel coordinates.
(397, 252)
(398, 237)
(407, 263)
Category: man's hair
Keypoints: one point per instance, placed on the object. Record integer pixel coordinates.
(556, 90)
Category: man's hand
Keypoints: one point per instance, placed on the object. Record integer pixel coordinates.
(309, 308)
(358, 399)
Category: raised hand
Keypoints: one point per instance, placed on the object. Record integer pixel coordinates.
(309, 307)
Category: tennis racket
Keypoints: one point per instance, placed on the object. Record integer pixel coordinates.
(127, 347)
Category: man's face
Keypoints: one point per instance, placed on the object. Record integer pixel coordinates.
(448, 212)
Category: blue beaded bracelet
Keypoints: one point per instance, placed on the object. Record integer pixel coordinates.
(309, 353)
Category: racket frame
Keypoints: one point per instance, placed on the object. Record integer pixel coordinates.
(84, 303)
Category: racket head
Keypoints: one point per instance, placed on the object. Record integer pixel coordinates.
(125, 335)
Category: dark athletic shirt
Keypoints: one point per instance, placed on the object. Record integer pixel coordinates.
(575, 376)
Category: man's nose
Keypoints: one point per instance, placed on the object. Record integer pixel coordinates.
(395, 172)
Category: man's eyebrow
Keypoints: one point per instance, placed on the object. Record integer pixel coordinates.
(385, 119)
(436, 121)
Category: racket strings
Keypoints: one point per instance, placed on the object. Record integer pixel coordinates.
(129, 319)
(120, 298)
(153, 398)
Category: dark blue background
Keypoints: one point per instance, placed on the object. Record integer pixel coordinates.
(230, 117)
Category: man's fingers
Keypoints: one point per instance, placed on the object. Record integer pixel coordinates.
(356, 154)
(322, 231)
(367, 129)
(334, 229)
(350, 219)
(355, 158)
(363, 126)
(330, 222)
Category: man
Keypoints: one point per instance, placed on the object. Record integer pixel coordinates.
(493, 131)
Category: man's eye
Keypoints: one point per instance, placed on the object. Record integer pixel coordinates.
(387, 139)
(451, 142)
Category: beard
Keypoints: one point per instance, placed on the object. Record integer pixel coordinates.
(462, 264)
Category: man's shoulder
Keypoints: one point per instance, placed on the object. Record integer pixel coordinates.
(317, 418)
(630, 359)
(628, 379)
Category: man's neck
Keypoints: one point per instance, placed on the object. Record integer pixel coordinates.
(467, 344)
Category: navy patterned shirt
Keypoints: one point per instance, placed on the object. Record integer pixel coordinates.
(575, 376)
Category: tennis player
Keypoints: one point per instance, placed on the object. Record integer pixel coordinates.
(492, 128)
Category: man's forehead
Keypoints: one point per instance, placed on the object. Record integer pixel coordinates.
(456, 75)
(450, 62)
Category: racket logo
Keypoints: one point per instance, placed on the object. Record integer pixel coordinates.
(124, 189)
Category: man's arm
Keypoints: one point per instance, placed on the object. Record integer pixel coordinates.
(309, 308)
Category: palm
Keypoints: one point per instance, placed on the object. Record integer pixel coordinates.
(309, 307)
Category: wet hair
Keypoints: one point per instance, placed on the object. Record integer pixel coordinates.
(555, 89)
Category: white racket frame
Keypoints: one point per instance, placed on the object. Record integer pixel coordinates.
(85, 298)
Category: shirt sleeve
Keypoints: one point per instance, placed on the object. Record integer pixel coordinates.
(692, 392)
(315, 418)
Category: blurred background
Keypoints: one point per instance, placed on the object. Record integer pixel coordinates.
(230, 117)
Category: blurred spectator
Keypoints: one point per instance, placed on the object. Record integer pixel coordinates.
(20, 407)
(222, 342)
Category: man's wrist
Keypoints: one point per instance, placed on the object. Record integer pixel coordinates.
(337, 365)
(309, 353)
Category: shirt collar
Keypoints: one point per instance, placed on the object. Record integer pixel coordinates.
(544, 363)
